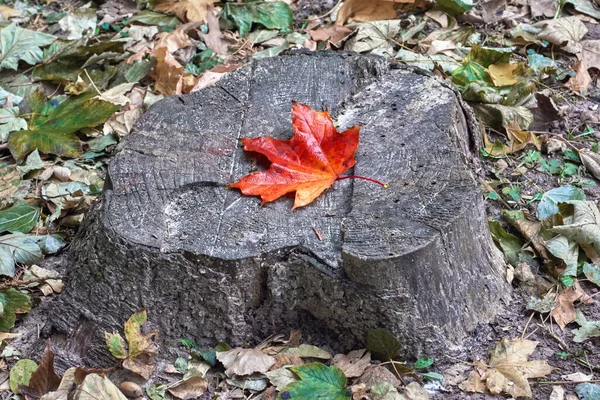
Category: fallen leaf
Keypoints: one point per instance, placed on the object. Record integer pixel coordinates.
(375, 374)
(308, 164)
(10, 121)
(317, 381)
(285, 359)
(565, 313)
(186, 10)
(96, 387)
(374, 37)
(508, 369)
(577, 376)
(243, 362)
(548, 205)
(382, 344)
(587, 391)
(558, 393)
(585, 225)
(214, 39)
(587, 329)
(274, 15)
(44, 379)
(503, 74)
(591, 53)
(167, 73)
(564, 32)
(173, 41)
(190, 388)
(281, 377)
(308, 351)
(8, 12)
(366, 10)
(79, 22)
(333, 34)
(581, 81)
(18, 44)
(354, 364)
(20, 217)
(20, 374)
(19, 248)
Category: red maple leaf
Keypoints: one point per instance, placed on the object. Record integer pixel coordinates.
(307, 164)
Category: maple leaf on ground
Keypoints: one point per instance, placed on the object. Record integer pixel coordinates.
(307, 164)
(508, 370)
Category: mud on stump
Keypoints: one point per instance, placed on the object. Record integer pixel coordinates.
(212, 265)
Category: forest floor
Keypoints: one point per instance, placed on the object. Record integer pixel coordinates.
(75, 76)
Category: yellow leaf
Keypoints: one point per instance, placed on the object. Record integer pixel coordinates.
(503, 74)
(8, 12)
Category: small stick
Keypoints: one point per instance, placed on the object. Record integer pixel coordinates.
(527, 324)
(319, 236)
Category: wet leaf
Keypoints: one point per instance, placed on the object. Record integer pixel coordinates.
(317, 382)
(382, 344)
(587, 329)
(20, 374)
(244, 362)
(276, 15)
(18, 248)
(20, 217)
(21, 44)
(548, 205)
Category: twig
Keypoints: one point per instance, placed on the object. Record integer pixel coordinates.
(459, 360)
(527, 324)
(563, 382)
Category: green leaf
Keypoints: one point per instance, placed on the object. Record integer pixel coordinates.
(585, 7)
(454, 7)
(21, 217)
(20, 374)
(382, 344)
(592, 272)
(21, 44)
(514, 192)
(17, 248)
(100, 143)
(181, 365)
(567, 250)
(588, 391)
(549, 203)
(539, 63)
(433, 376)
(587, 329)
(271, 51)
(509, 243)
(133, 333)
(423, 362)
(190, 344)
(277, 15)
(10, 121)
(202, 62)
(13, 303)
(477, 92)
(210, 355)
(317, 382)
(116, 345)
(155, 19)
(156, 392)
(470, 72)
(52, 127)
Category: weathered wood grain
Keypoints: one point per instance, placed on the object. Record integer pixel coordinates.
(212, 265)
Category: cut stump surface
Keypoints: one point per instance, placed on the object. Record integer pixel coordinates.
(212, 265)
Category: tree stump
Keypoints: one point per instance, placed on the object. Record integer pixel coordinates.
(212, 265)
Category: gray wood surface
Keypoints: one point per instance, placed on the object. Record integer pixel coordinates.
(212, 265)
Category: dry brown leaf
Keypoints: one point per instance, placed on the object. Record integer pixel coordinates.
(354, 364)
(591, 53)
(281, 360)
(564, 313)
(214, 39)
(376, 374)
(173, 41)
(243, 362)
(542, 8)
(581, 81)
(565, 32)
(508, 370)
(332, 34)
(190, 388)
(209, 78)
(167, 73)
(186, 10)
(366, 10)
(359, 391)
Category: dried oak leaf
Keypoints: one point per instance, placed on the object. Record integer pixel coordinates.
(581, 81)
(186, 10)
(508, 370)
(307, 164)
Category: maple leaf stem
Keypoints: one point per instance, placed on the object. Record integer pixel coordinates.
(341, 178)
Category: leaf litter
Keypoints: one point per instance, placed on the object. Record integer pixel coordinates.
(537, 67)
